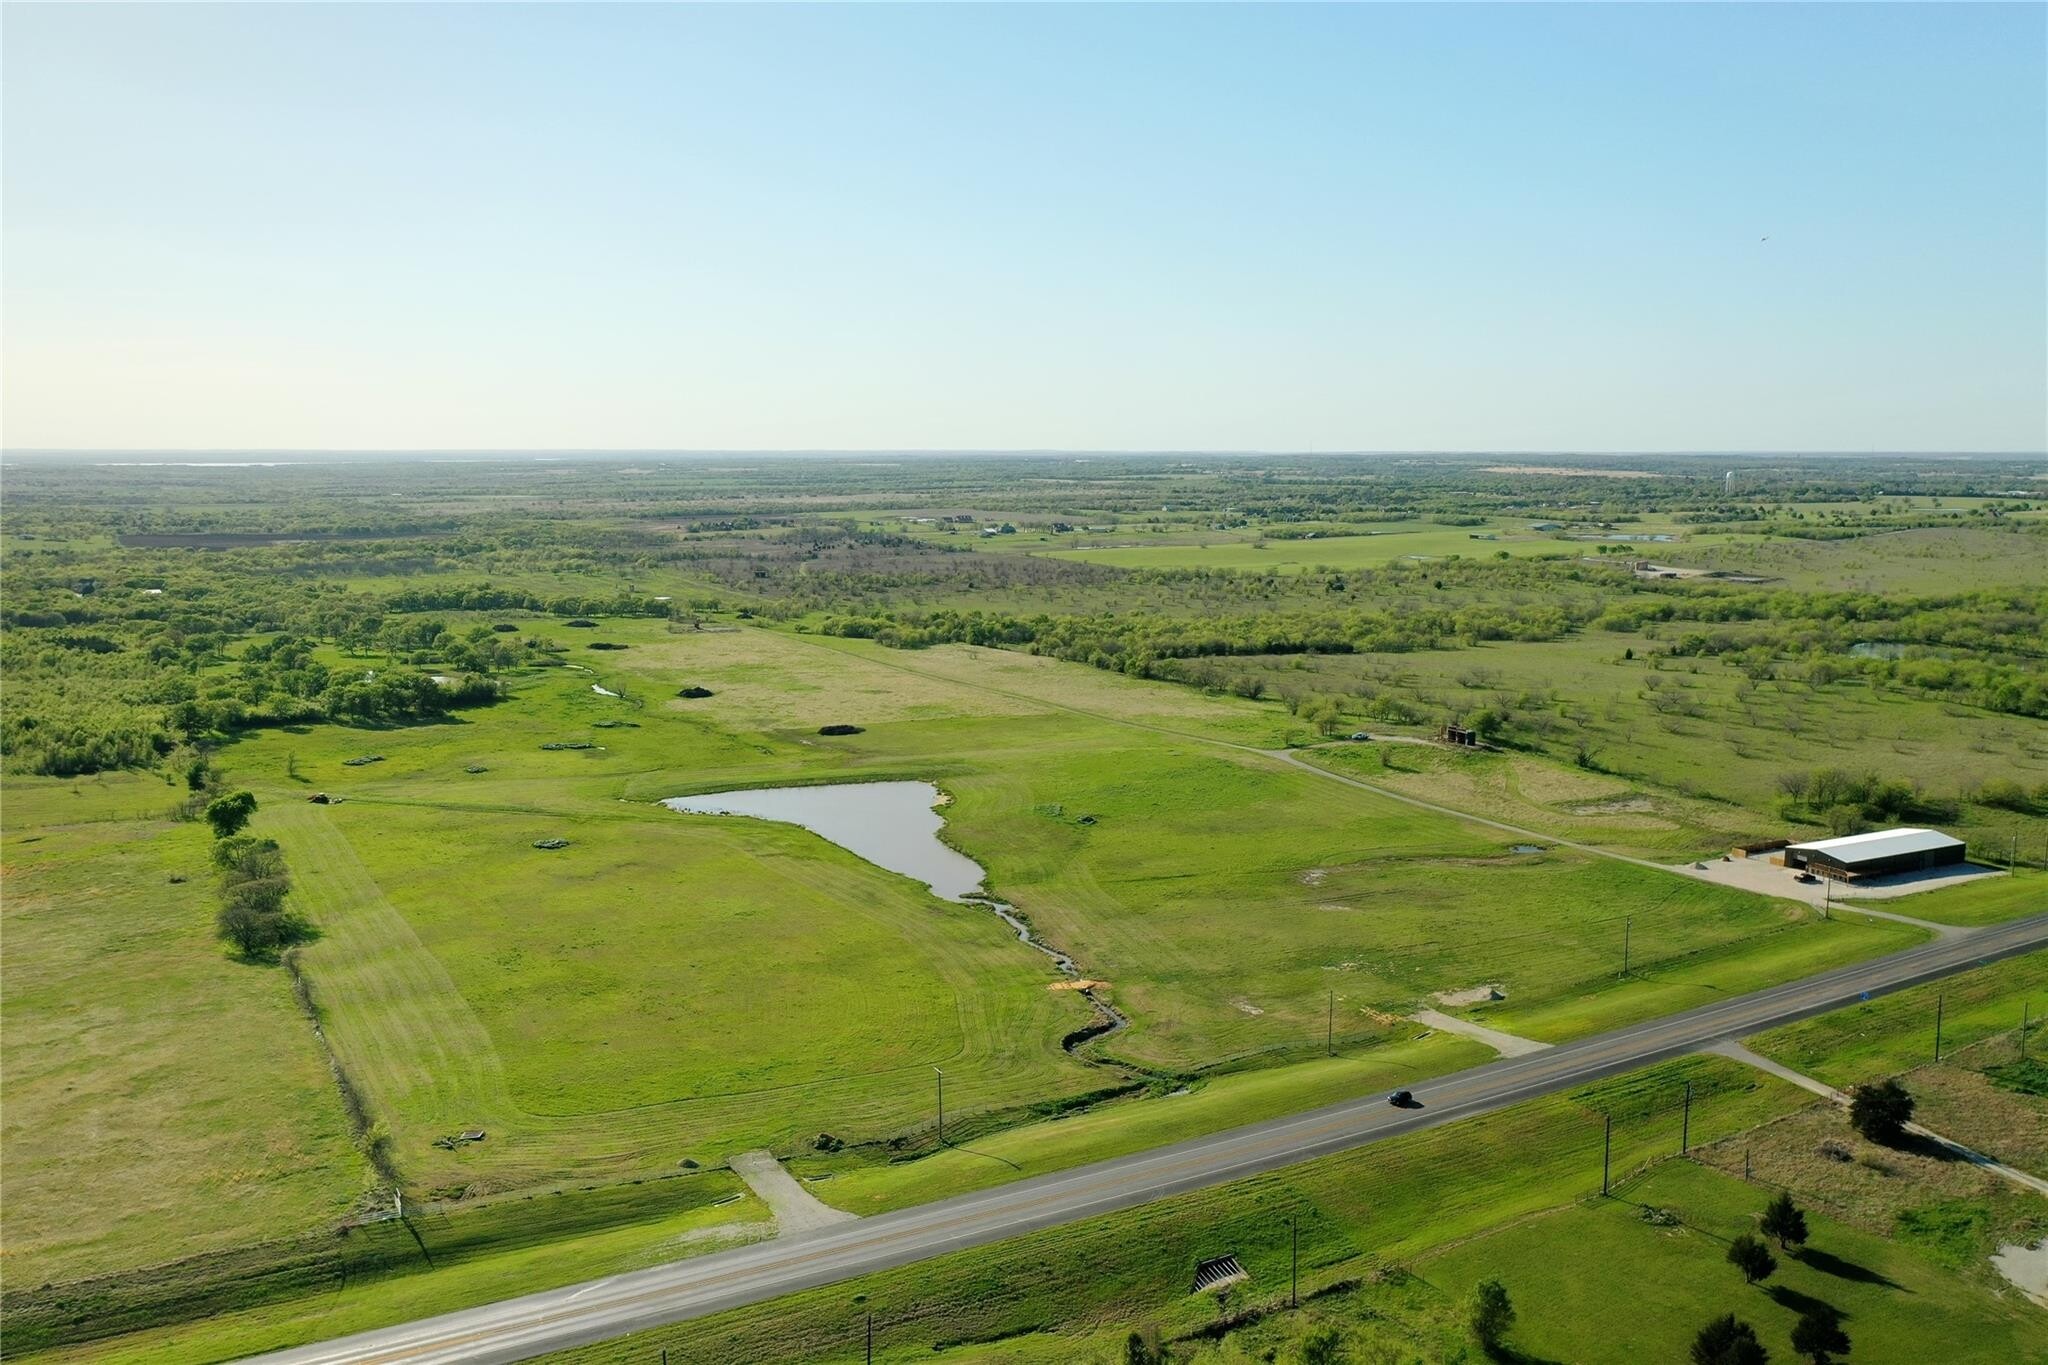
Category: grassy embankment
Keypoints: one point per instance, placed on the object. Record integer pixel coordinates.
(1359, 1212)
(1898, 1238)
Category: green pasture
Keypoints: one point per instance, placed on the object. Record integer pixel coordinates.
(1132, 846)
(1568, 1269)
(1381, 545)
(1893, 1033)
(1550, 797)
(1936, 559)
(670, 987)
(1689, 728)
(161, 1099)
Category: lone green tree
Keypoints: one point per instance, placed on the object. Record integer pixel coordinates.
(1727, 1341)
(228, 814)
(1752, 1258)
(1881, 1112)
(1818, 1335)
(1784, 1222)
(1491, 1313)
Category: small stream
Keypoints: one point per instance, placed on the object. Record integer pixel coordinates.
(895, 826)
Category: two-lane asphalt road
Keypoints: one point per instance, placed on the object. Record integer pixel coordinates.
(519, 1328)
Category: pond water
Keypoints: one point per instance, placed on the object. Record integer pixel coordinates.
(894, 825)
(602, 690)
(891, 824)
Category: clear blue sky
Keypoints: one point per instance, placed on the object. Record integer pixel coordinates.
(1259, 227)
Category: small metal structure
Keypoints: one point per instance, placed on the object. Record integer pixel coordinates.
(1215, 1276)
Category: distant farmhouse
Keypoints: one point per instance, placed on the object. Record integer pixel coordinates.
(1881, 854)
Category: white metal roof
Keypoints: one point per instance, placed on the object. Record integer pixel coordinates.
(1884, 843)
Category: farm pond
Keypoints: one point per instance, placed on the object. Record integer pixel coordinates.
(893, 825)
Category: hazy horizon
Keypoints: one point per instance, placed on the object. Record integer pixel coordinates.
(1160, 228)
(453, 454)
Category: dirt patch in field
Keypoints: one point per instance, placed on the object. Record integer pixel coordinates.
(1625, 805)
(1080, 984)
(1803, 1152)
(1548, 785)
(1315, 876)
(1472, 995)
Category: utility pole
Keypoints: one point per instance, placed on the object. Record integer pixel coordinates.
(942, 1105)
(1626, 925)
(1937, 1028)
(871, 1340)
(2023, 1028)
(1294, 1274)
(1685, 1127)
(1606, 1155)
(1330, 1026)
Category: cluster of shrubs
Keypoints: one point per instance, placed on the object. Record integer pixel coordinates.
(253, 882)
(1846, 802)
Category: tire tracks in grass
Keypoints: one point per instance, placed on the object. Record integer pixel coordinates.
(398, 1019)
(427, 1063)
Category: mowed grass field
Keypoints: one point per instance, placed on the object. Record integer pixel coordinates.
(161, 1099)
(670, 987)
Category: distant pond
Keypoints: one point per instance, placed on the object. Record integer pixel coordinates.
(895, 826)
(891, 824)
